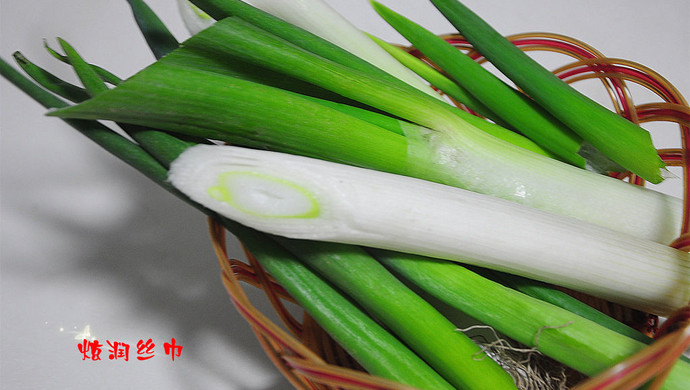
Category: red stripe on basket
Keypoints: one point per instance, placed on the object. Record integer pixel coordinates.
(628, 370)
(524, 42)
(664, 112)
(254, 321)
(569, 47)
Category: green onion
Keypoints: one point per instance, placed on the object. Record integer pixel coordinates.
(511, 105)
(303, 198)
(622, 141)
(404, 128)
(162, 146)
(107, 76)
(566, 337)
(318, 17)
(411, 318)
(459, 94)
(455, 153)
(384, 121)
(230, 112)
(49, 81)
(157, 36)
(437, 79)
(554, 296)
(221, 9)
(114, 143)
(149, 139)
(237, 39)
(370, 344)
(89, 77)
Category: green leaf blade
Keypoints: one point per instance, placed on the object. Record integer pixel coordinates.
(159, 38)
(509, 104)
(622, 141)
(234, 110)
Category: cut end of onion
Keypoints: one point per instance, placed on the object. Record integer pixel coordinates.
(242, 185)
(264, 195)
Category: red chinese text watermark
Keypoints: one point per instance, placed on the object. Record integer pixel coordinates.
(116, 350)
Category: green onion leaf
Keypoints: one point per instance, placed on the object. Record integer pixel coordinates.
(619, 139)
(566, 337)
(158, 37)
(369, 343)
(438, 80)
(51, 82)
(454, 355)
(107, 76)
(89, 77)
(221, 9)
(512, 106)
(318, 17)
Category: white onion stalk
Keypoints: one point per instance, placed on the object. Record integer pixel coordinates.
(319, 18)
(547, 184)
(304, 198)
(194, 19)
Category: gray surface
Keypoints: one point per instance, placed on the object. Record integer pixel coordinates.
(88, 241)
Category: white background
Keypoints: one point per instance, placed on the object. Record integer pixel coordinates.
(87, 241)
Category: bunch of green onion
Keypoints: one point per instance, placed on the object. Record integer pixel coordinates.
(351, 181)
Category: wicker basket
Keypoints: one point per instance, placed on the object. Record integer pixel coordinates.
(310, 359)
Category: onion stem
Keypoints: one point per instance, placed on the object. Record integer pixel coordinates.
(304, 198)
